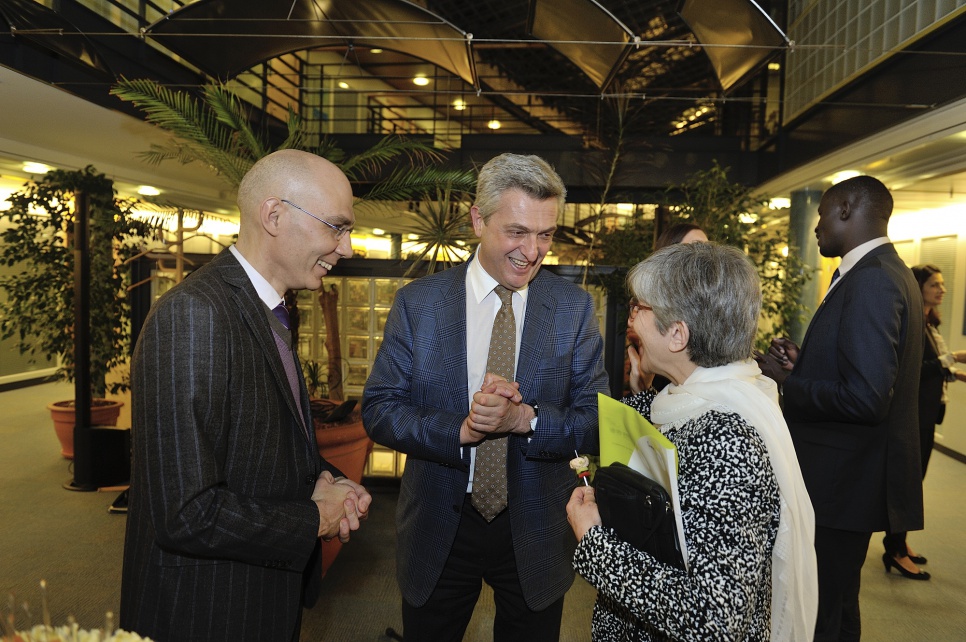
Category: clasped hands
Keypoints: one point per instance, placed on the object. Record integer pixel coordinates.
(496, 410)
(342, 504)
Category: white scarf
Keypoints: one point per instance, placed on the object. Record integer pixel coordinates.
(741, 388)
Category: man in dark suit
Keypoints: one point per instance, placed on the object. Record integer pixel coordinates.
(851, 397)
(487, 477)
(229, 495)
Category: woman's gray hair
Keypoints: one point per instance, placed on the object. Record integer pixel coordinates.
(531, 174)
(714, 289)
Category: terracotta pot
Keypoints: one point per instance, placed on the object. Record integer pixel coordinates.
(345, 445)
(104, 412)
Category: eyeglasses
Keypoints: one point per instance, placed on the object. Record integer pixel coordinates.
(339, 230)
(634, 306)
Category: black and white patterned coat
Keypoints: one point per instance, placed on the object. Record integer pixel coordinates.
(730, 508)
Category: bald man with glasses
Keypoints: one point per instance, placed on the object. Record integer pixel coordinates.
(229, 497)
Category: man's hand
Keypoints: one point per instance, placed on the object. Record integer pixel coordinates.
(582, 511)
(784, 351)
(771, 367)
(496, 410)
(342, 504)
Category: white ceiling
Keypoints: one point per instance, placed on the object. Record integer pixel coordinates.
(42, 123)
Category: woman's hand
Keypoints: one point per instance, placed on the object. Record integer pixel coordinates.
(960, 356)
(582, 511)
(638, 380)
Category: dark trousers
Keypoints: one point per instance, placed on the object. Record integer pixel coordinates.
(841, 555)
(482, 552)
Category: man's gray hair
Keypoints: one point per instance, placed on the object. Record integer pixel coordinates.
(530, 174)
(714, 289)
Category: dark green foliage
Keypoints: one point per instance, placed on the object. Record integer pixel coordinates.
(39, 310)
(728, 213)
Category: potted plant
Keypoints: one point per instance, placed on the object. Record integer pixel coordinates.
(38, 243)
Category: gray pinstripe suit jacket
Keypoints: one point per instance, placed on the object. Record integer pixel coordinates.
(415, 401)
(221, 528)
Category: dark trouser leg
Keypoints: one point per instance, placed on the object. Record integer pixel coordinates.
(841, 555)
(895, 544)
(482, 550)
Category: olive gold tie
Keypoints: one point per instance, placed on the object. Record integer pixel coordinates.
(489, 479)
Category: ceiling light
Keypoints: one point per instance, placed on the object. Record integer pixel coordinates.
(35, 168)
(844, 175)
(779, 203)
(494, 124)
(421, 80)
(378, 231)
(148, 190)
(459, 104)
(343, 84)
(774, 66)
(412, 237)
(375, 51)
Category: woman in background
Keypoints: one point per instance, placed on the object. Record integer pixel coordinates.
(937, 371)
(637, 380)
(748, 523)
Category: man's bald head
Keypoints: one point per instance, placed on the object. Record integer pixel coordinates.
(868, 195)
(851, 213)
(291, 203)
(283, 174)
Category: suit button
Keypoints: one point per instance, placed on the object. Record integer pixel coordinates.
(457, 509)
(309, 480)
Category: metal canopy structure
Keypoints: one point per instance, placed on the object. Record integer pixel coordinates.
(227, 37)
(542, 63)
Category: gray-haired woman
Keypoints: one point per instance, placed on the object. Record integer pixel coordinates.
(748, 521)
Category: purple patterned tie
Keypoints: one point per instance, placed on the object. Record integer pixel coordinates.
(281, 313)
(489, 476)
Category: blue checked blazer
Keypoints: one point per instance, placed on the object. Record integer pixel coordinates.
(415, 401)
(221, 530)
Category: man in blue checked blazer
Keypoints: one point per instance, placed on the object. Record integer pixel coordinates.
(229, 496)
(430, 395)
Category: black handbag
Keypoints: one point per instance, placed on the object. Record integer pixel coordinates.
(639, 510)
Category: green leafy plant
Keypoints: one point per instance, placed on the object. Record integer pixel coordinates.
(216, 129)
(39, 244)
(729, 213)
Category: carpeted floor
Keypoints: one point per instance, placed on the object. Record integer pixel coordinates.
(70, 540)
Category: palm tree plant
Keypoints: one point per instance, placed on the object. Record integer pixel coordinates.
(217, 130)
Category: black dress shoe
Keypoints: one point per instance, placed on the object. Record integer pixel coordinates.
(919, 560)
(890, 562)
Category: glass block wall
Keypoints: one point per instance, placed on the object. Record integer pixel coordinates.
(835, 41)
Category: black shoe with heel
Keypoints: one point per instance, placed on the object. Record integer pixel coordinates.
(918, 560)
(891, 562)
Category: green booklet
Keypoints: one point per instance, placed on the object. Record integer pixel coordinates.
(628, 438)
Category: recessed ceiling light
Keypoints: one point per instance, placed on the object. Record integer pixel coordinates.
(378, 231)
(494, 124)
(774, 66)
(148, 190)
(459, 104)
(844, 175)
(343, 84)
(375, 51)
(35, 168)
(421, 80)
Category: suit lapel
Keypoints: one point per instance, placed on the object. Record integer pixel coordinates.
(837, 290)
(537, 332)
(251, 311)
(451, 324)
